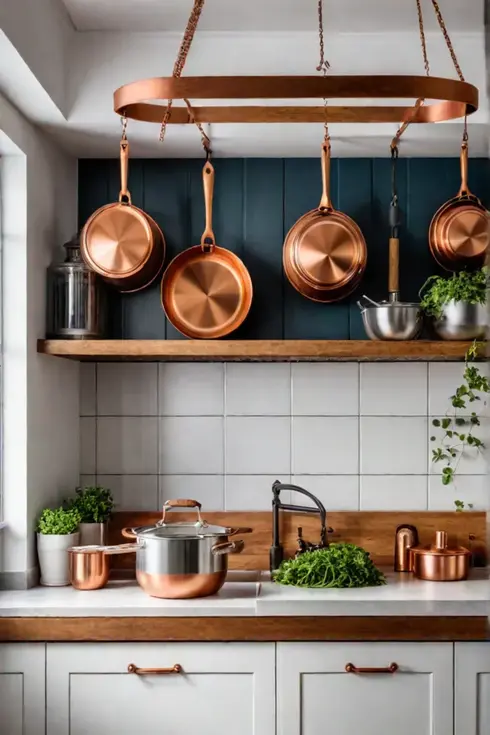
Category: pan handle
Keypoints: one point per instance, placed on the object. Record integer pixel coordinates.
(121, 549)
(128, 533)
(240, 529)
(207, 239)
(228, 547)
(464, 190)
(393, 268)
(325, 202)
(124, 195)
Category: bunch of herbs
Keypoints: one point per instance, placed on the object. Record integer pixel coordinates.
(93, 503)
(58, 521)
(468, 286)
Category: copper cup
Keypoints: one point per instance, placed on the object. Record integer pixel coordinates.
(440, 563)
(89, 565)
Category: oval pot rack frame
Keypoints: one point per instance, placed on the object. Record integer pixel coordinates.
(451, 98)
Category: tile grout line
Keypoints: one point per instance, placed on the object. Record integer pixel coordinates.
(96, 428)
(224, 490)
(428, 436)
(159, 500)
(359, 452)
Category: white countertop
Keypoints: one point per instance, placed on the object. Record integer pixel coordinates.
(251, 594)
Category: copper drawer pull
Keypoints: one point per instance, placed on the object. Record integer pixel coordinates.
(133, 669)
(351, 669)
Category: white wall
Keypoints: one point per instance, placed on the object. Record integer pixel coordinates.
(39, 187)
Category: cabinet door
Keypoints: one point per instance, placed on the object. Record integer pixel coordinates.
(472, 688)
(223, 687)
(316, 695)
(22, 689)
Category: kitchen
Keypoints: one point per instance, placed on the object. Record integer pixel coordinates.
(293, 385)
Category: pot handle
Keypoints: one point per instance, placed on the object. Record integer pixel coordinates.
(464, 190)
(124, 195)
(325, 201)
(181, 503)
(208, 240)
(240, 529)
(228, 547)
(128, 533)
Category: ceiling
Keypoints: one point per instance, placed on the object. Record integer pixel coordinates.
(270, 15)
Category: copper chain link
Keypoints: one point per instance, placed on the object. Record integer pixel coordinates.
(323, 64)
(179, 64)
(449, 45)
(422, 38)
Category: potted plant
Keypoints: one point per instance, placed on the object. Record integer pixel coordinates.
(457, 305)
(57, 530)
(94, 505)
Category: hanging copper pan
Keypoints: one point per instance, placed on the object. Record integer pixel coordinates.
(459, 231)
(206, 290)
(325, 253)
(121, 242)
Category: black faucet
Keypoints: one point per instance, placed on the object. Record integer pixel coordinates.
(276, 553)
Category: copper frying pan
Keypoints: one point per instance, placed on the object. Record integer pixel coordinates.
(324, 254)
(459, 231)
(121, 242)
(206, 290)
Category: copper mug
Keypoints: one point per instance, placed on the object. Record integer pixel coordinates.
(89, 565)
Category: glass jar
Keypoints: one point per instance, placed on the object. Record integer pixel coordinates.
(75, 298)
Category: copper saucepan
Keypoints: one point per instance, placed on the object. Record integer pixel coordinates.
(459, 231)
(206, 290)
(89, 565)
(325, 254)
(439, 562)
(121, 242)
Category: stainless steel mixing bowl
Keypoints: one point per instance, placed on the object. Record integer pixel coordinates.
(391, 321)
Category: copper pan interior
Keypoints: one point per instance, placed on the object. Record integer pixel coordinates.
(206, 290)
(324, 254)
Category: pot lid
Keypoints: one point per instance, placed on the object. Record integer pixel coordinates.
(182, 530)
(440, 547)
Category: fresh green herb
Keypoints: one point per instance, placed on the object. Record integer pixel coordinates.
(459, 431)
(58, 521)
(94, 504)
(463, 286)
(338, 565)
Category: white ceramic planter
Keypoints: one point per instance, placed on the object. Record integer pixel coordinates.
(93, 534)
(53, 558)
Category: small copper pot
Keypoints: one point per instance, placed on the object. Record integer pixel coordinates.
(89, 565)
(440, 563)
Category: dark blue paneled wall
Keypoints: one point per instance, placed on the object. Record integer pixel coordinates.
(256, 201)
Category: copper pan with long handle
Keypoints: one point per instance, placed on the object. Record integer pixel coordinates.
(325, 254)
(122, 243)
(206, 290)
(459, 232)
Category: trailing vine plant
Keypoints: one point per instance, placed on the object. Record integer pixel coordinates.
(460, 431)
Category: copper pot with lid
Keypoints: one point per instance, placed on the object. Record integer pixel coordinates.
(440, 562)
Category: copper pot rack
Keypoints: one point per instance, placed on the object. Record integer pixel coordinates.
(452, 98)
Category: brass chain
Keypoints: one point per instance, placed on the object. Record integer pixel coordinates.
(323, 64)
(449, 45)
(422, 38)
(124, 125)
(179, 64)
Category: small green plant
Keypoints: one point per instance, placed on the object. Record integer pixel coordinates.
(93, 503)
(58, 521)
(459, 430)
(437, 291)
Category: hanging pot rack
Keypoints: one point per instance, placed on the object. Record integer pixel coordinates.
(453, 98)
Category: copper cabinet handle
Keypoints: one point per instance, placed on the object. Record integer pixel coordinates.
(391, 669)
(175, 669)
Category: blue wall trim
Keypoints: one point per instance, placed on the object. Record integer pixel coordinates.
(256, 201)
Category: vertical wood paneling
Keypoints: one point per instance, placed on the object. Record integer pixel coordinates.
(256, 201)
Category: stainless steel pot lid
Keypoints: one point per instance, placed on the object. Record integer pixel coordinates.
(183, 530)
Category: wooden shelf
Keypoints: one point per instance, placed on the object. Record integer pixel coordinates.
(251, 350)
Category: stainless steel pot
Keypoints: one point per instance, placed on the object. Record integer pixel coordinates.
(185, 559)
(397, 320)
(461, 321)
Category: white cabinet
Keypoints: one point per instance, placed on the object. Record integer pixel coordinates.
(472, 689)
(223, 687)
(315, 694)
(22, 670)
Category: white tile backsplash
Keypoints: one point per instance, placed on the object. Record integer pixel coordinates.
(127, 445)
(257, 445)
(393, 445)
(325, 445)
(325, 389)
(127, 389)
(396, 492)
(336, 492)
(191, 445)
(393, 389)
(356, 435)
(190, 389)
(258, 389)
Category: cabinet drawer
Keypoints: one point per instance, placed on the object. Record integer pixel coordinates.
(221, 687)
(315, 689)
